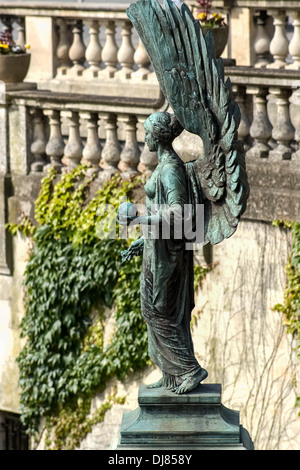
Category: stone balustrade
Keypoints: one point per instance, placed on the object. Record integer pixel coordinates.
(274, 34)
(70, 41)
(268, 31)
(101, 89)
(269, 106)
(64, 130)
(71, 44)
(270, 129)
(89, 90)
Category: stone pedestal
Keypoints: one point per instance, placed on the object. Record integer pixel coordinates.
(194, 421)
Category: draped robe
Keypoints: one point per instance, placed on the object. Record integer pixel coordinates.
(167, 280)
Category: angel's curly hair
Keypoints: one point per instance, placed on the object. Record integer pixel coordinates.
(165, 126)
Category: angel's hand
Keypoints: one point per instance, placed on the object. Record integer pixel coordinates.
(135, 249)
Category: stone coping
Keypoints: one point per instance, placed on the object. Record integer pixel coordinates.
(249, 75)
(86, 102)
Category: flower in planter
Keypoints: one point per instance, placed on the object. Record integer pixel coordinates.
(206, 18)
(7, 45)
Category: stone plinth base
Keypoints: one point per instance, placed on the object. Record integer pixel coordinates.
(197, 420)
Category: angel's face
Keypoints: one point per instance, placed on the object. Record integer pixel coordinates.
(149, 139)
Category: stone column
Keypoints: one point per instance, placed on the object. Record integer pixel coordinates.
(4, 159)
(244, 127)
(77, 50)
(130, 155)
(41, 35)
(92, 150)
(63, 47)
(261, 128)
(93, 53)
(55, 146)
(283, 130)
(21, 39)
(262, 40)
(126, 52)
(242, 33)
(112, 150)
(7, 21)
(18, 139)
(279, 46)
(74, 146)
(5, 251)
(296, 102)
(142, 60)
(110, 50)
(148, 160)
(38, 145)
(294, 48)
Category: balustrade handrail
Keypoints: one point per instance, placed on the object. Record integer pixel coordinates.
(83, 126)
(115, 6)
(138, 105)
(266, 4)
(62, 8)
(247, 75)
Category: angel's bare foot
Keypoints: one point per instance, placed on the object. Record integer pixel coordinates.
(190, 383)
(157, 384)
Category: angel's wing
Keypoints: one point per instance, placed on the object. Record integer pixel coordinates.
(192, 80)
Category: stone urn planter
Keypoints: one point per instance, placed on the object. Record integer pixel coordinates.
(14, 67)
(220, 35)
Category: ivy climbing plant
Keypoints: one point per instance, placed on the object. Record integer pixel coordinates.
(290, 307)
(70, 271)
(74, 271)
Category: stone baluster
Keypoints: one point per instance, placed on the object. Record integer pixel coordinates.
(130, 155)
(296, 102)
(261, 127)
(279, 46)
(283, 130)
(93, 53)
(77, 50)
(262, 40)
(143, 62)
(63, 47)
(55, 146)
(21, 39)
(126, 52)
(244, 127)
(294, 47)
(38, 145)
(112, 150)
(7, 21)
(92, 150)
(110, 50)
(148, 160)
(74, 147)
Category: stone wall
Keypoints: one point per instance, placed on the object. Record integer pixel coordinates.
(242, 341)
(239, 339)
(11, 312)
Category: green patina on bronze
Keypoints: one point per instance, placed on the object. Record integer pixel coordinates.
(192, 80)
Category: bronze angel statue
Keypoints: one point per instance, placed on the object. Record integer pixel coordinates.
(192, 81)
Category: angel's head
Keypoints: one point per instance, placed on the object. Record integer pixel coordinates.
(161, 127)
